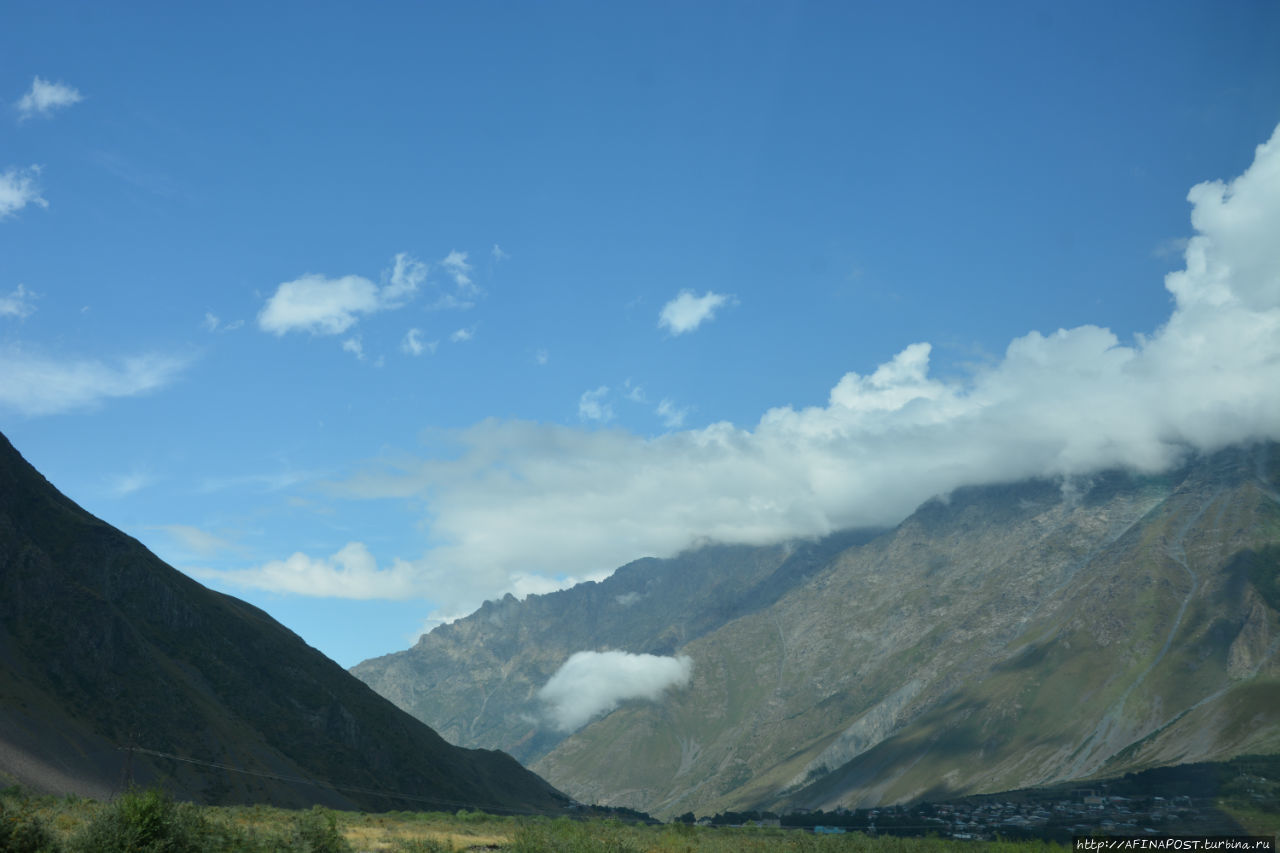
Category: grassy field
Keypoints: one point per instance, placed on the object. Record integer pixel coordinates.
(144, 821)
(149, 821)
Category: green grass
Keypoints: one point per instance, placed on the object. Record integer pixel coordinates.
(150, 821)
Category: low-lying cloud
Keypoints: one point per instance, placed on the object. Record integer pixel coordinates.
(352, 572)
(593, 683)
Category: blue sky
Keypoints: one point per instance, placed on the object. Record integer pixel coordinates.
(369, 314)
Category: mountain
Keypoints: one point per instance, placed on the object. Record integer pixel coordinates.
(1006, 636)
(116, 667)
(475, 678)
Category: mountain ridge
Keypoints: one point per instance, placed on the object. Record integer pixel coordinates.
(106, 648)
(1003, 636)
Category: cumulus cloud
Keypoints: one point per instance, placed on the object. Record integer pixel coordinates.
(18, 303)
(461, 336)
(322, 306)
(39, 385)
(18, 188)
(352, 572)
(592, 683)
(330, 306)
(687, 312)
(593, 405)
(45, 97)
(573, 501)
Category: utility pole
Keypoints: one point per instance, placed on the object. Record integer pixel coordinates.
(126, 773)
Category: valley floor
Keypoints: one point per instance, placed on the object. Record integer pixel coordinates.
(144, 821)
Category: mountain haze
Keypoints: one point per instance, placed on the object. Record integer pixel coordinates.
(1007, 636)
(117, 667)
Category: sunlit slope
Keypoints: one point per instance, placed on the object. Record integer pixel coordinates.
(1009, 637)
(103, 647)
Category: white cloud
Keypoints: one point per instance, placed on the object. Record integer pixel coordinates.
(322, 306)
(352, 572)
(498, 254)
(464, 291)
(672, 416)
(18, 303)
(213, 323)
(635, 393)
(541, 357)
(463, 335)
(39, 385)
(135, 481)
(18, 189)
(354, 346)
(45, 97)
(1072, 401)
(195, 540)
(274, 482)
(330, 306)
(687, 312)
(413, 344)
(592, 683)
(407, 274)
(455, 263)
(592, 405)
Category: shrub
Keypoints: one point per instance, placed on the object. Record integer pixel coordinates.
(424, 845)
(568, 836)
(316, 831)
(143, 822)
(20, 830)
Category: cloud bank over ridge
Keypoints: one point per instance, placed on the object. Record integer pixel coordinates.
(521, 498)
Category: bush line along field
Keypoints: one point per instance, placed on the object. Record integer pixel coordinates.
(145, 821)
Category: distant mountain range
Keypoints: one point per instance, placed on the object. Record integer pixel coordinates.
(115, 668)
(1003, 637)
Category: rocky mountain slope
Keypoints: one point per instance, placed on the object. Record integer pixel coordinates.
(475, 678)
(1009, 636)
(114, 666)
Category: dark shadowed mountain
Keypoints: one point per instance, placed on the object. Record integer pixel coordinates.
(103, 647)
(1008, 636)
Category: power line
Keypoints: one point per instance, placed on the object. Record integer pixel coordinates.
(353, 789)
